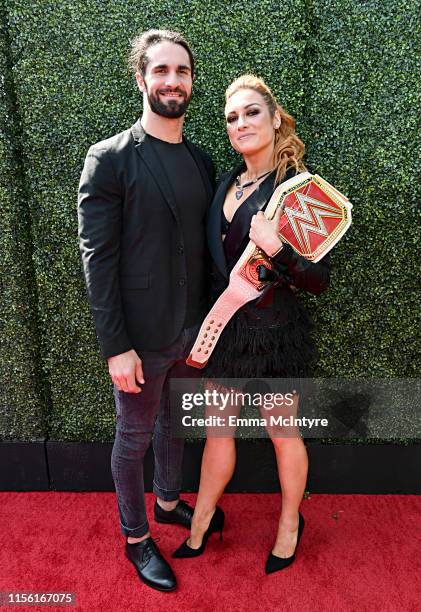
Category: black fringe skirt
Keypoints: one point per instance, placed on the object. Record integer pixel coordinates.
(265, 346)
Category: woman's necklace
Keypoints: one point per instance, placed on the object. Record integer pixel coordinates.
(240, 187)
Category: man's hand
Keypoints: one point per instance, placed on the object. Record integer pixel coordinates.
(125, 369)
(264, 233)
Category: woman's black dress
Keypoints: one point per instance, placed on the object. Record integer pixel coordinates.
(271, 336)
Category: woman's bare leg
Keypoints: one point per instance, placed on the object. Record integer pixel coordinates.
(292, 462)
(218, 465)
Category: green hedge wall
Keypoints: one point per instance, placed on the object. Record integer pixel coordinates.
(342, 68)
(24, 397)
(362, 99)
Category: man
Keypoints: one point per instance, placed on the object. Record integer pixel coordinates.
(143, 198)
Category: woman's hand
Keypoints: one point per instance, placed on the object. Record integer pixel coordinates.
(264, 233)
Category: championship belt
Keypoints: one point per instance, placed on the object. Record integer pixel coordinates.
(315, 216)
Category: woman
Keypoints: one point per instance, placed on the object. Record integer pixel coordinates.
(270, 337)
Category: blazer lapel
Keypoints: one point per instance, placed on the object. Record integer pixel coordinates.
(213, 227)
(240, 224)
(146, 151)
(221, 251)
(237, 236)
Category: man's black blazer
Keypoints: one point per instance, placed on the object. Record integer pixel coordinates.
(132, 244)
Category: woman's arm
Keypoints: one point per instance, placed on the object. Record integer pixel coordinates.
(295, 269)
(300, 272)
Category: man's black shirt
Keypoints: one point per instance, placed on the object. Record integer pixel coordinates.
(190, 197)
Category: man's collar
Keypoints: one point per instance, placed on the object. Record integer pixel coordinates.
(139, 133)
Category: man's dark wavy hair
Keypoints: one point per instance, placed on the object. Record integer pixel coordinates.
(138, 57)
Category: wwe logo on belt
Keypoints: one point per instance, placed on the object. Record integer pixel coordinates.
(310, 218)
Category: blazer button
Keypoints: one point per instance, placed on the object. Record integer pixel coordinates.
(180, 250)
(182, 282)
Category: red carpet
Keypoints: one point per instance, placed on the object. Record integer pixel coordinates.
(358, 553)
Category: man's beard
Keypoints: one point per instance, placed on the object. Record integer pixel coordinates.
(173, 110)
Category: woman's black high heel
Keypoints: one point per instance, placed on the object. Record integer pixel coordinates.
(274, 563)
(216, 524)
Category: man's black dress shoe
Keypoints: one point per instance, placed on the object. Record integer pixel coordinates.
(274, 563)
(150, 565)
(181, 515)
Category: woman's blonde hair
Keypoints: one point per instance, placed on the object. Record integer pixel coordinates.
(288, 148)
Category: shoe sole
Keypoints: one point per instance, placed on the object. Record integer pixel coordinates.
(149, 584)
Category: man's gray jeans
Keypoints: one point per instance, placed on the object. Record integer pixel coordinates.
(142, 417)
